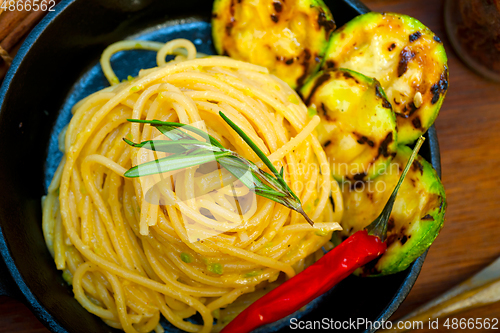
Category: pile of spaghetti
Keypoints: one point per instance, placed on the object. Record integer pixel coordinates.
(131, 260)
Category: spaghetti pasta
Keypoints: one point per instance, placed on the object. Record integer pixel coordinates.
(131, 257)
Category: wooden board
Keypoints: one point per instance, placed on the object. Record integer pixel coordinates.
(469, 135)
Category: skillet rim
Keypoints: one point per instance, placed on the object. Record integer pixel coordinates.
(31, 300)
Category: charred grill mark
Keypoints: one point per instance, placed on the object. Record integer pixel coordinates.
(386, 104)
(356, 185)
(435, 98)
(391, 239)
(417, 166)
(443, 81)
(384, 146)
(333, 204)
(371, 267)
(289, 61)
(359, 176)
(319, 82)
(391, 47)
(305, 64)
(427, 217)
(231, 8)
(410, 108)
(440, 87)
(405, 56)
(278, 7)
(413, 182)
(229, 26)
(329, 25)
(327, 143)
(330, 64)
(362, 139)
(274, 18)
(347, 75)
(416, 123)
(404, 237)
(407, 111)
(369, 142)
(437, 39)
(396, 102)
(378, 93)
(414, 36)
(307, 54)
(302, 78)
(323, 109)
(390, 224)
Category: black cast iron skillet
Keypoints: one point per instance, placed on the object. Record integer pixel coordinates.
(59, 50)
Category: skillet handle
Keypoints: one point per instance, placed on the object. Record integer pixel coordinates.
(7, 285)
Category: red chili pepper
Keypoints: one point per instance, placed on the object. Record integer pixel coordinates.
(356, 251)
(333, 267)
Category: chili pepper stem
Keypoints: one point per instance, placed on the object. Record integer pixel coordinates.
(378, 227)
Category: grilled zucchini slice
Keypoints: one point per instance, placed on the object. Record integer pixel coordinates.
(288, 37)
(358, 126)
(404, 56)
(416, 218)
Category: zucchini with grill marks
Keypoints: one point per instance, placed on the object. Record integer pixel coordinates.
(358, 126)
(404, 56)
(288, 37)
(416, 218)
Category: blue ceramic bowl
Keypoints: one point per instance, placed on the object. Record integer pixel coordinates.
(57, 66)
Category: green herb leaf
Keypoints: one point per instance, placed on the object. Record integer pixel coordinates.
(252, 274)
(186, 257)
(188, 151)
(252, 145)
(165, 127)
(292, 205)
(171, 163)
(215, 268)
(179, 146)
(311, 112)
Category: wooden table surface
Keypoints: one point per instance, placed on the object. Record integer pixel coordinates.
(469, 135)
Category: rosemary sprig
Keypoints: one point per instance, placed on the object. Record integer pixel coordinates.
(187, 151)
